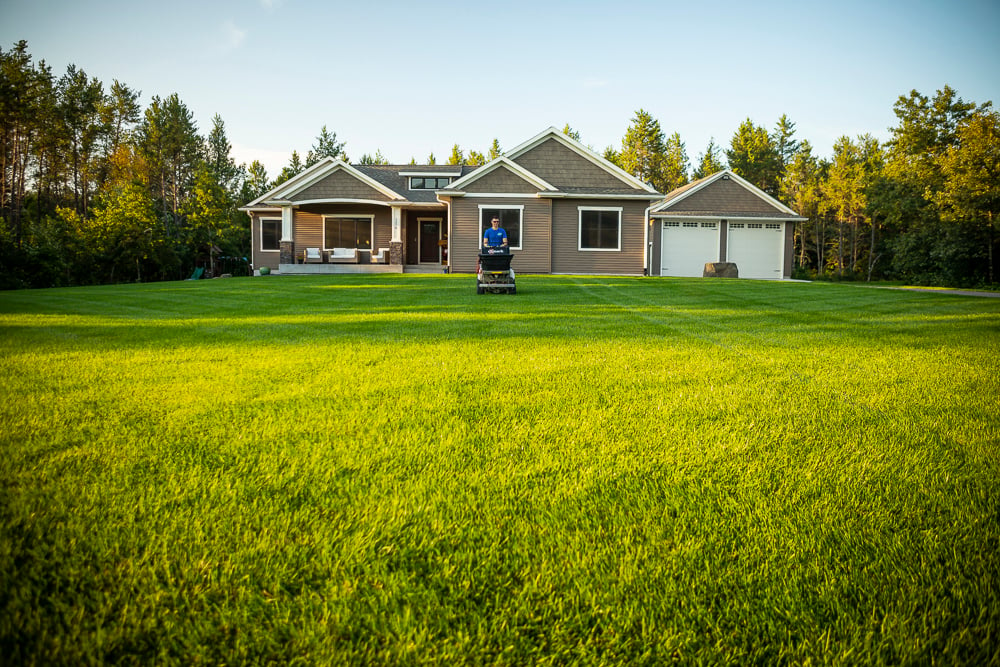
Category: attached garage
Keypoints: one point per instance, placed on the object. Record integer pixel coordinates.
(686, 245)
(721, 218)
(757, 249)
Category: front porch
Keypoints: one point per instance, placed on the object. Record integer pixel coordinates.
(329, 269)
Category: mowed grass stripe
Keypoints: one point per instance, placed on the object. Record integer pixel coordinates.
(362, 469)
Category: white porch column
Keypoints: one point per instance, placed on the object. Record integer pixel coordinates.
(286, 224)
(397, 224)
(396, 245)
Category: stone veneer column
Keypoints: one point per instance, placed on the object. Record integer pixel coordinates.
(286, 246)
(396, 244)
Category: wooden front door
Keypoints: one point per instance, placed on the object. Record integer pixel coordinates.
(430, 234)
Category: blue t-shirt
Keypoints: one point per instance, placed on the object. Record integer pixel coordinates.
(495, 237)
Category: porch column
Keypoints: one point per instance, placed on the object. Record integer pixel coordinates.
(286, 246)
(396, 245)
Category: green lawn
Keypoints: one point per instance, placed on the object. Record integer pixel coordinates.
(391, 469)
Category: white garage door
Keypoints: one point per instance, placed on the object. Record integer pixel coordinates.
(757, 249)
(685, 247)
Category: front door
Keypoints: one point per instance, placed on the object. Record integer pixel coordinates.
(430, 234)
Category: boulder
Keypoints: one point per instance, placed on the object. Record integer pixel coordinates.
(720, 270)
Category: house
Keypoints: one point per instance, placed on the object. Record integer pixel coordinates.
(722, 218)
(565, 209)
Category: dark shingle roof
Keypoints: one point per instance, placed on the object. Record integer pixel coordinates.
(389, 176)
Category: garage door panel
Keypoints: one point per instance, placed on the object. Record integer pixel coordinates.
(687, 246)
(756, 249)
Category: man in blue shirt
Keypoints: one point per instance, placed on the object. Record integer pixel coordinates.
(496, 236)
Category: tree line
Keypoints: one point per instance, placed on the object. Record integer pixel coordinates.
(921, 207)
(96, 189)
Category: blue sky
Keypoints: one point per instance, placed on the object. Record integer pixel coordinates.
(412, 78)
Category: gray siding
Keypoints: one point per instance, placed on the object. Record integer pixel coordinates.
(536, 237)
(566, 258)
(258, 257)
(339, 185)
(562, 167)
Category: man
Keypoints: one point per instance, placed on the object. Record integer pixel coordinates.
(496, 236)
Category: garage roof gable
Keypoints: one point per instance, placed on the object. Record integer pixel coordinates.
(723, 194)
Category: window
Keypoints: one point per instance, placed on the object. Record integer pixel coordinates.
(347, 232)
(772, 226)
(428, 183)
(600, 228)
(510, 220)
(270, 234)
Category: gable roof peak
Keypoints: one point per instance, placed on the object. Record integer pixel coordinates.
(553, 133)
(727, 174)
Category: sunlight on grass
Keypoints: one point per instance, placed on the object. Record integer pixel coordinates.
(361, 469)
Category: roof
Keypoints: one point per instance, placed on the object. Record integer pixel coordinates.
(387, 179)
(392, 176)
(627, 185)
(389, 184)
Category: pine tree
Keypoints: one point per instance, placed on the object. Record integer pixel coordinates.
(571, 133)
(675, 164)
(754, 157)
(218, 158)
(494, 151)
(326, 146)
(709, 162)
(784, 143)
(373, 159)
(643, 150)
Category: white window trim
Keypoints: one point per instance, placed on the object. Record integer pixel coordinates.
(579, 227)
(371, 221)
(262, 221)
(482, 231)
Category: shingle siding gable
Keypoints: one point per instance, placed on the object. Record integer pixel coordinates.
(501, 180)
(724, 196)
(562, 167)
(339, 185)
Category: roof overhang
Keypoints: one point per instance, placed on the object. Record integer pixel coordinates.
(598, 195)
(430, 173)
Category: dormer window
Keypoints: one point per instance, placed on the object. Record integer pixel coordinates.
(429, 182)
